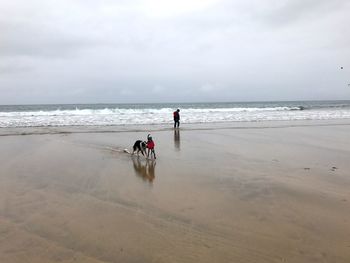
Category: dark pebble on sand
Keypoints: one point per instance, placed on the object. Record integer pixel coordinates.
(334, 168)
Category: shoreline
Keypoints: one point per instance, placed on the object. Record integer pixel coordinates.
(17, 131)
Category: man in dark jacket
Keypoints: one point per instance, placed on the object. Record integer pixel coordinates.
(177, 118)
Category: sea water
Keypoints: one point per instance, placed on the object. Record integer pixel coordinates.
(162, 113)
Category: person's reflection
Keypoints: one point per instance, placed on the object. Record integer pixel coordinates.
(177, 139)
(145, 170)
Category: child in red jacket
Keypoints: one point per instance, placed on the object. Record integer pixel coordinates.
(150, 146)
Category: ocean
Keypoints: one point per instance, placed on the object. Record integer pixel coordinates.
(162, 113)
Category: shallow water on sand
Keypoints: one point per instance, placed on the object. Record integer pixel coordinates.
(221, 195)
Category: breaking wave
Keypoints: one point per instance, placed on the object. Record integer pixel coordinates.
(147, 114)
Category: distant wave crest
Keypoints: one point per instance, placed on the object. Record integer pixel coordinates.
(117, 111)
(163, 115)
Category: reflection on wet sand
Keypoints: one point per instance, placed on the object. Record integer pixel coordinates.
(177, 139)
(144, 169)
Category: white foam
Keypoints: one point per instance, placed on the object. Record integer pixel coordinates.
(122, 116)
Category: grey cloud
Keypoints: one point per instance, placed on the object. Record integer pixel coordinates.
(34, 39)
(14, 69)
(285, 12)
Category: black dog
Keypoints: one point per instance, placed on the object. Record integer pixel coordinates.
(139, 146)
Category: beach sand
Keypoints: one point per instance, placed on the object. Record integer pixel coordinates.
(255, 193)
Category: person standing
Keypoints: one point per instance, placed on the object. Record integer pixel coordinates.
(177, 118)
(150, 146)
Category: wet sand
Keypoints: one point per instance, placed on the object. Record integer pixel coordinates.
(236, 194)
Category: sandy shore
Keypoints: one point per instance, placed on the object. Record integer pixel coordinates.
(265, 193)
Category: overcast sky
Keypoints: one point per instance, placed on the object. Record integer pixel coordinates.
(82, 51)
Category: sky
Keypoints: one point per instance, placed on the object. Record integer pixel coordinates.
(135, 51)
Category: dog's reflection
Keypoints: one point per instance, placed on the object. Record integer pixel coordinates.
(144, 169)
(177, 139)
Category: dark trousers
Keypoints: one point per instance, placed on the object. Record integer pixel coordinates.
(176, 123)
